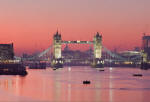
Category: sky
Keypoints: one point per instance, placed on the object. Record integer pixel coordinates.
(30, 24)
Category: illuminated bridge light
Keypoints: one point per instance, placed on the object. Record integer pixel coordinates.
(78, 41)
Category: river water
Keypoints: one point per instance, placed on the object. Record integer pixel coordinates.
(66, 85)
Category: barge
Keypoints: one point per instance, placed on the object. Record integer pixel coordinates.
(12, 68)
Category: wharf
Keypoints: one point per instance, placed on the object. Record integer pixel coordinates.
(12, 69)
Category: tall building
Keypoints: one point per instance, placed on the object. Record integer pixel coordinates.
(6, 52)
(146, 47)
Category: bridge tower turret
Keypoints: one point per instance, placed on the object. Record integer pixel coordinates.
(57, 61)
(97, 42)
(98, 45)
(57, 45)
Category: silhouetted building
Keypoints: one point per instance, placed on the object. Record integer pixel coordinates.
(146, 46)
(77, 57)
(24, 55)
(6, 52)
(66, 48)
(137, 49)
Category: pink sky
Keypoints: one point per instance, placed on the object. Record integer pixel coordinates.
(30, 24)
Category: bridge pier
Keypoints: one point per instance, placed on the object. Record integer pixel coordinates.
(97, 60)
(57, 61)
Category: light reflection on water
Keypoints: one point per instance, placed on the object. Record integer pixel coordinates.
(65, 85)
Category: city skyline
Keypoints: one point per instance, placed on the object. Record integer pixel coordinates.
(31, 24)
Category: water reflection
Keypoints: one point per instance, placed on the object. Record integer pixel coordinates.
(111, 85)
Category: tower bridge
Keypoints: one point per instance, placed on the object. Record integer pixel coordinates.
(53, 54)
(57, 60)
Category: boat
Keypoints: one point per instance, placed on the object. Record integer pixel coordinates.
(138, 75)
(86, 82)
(12, 69)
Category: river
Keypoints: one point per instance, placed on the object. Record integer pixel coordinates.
(66, 85)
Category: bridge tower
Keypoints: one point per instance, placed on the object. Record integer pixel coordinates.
(57, 61)
(97, 60)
